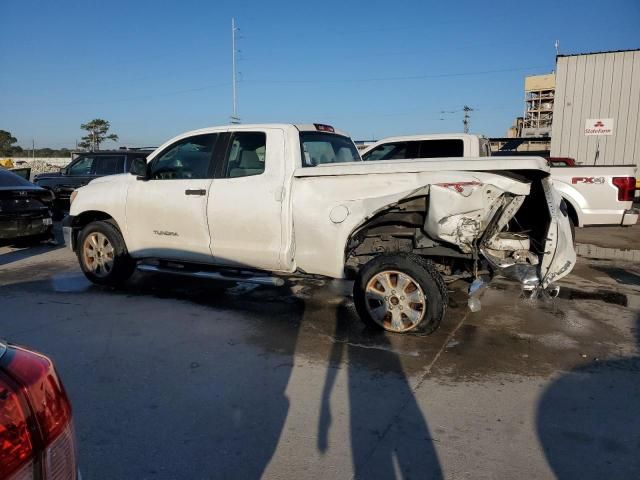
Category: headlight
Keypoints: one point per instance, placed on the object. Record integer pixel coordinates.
(73, 196)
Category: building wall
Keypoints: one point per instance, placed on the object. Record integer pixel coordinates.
(540, 82)
(599, 85)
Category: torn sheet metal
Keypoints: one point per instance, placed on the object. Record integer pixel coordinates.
(450, 218)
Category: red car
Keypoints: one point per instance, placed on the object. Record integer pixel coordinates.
(37, 439)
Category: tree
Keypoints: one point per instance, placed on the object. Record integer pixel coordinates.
(6, 143)
(96, 134)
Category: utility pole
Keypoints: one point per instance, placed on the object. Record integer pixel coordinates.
(466, 121)
(557, 45)
(234, 29)
(33, 149)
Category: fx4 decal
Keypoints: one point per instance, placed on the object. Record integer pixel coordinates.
(592, 180)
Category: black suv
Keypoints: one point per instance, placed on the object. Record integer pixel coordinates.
(84, 168)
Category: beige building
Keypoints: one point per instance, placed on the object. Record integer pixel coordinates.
(539, 94)
(596, 116)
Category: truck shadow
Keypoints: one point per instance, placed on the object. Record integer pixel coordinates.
(588, 421)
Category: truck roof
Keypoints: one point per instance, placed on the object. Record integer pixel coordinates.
(431, 136)
(303, 127)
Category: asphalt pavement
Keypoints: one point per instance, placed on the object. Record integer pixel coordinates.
(175, 378)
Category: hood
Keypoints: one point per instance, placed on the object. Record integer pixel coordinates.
(111, 178)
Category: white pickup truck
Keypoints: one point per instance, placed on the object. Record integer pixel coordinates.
(596, 195)
(257, 203)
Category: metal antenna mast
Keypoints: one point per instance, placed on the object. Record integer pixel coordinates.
(466, 121)
(234, 29)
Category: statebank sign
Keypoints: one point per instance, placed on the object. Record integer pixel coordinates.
(598, 126)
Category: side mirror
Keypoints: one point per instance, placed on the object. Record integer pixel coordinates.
(64, 170)
(139, 169)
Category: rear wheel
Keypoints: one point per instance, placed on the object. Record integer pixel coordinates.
(103, 254)
(401, 293)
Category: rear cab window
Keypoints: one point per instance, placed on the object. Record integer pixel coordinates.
(319, 148)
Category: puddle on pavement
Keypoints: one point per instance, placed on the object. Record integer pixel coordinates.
(536, 338)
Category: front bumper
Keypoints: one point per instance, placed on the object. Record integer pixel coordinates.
(67, 232)
(25, 224)
(630, 217)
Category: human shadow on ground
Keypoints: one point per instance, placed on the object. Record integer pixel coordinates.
(389, 433)
(588, 421)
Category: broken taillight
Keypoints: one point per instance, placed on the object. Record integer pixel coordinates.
(36, 429)
(626, 188)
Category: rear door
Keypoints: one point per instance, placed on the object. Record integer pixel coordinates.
(245, 208)
(167, 214)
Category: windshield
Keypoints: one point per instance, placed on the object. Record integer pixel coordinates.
(319, 148)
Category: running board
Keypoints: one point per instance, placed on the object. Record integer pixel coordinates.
(260, 280)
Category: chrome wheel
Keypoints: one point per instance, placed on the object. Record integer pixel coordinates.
(98, 254)
(395, 301)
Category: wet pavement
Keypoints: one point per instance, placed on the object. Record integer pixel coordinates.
(176, 378)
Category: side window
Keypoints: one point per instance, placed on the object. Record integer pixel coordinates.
(246, 156)
(388, 151)
(441, 148)
(81, 167)
(188, 158)
(109, 165)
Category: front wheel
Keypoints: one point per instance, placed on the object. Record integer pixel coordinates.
(103, 254)
(402, 293)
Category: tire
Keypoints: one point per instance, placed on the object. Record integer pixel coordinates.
(103, 254)
(381, 304)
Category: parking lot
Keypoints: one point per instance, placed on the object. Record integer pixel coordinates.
(173, 378)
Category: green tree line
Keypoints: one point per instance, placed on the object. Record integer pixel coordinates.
(97, 133)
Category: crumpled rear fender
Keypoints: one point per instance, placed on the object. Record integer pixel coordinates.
(459, 213)
(328, 210)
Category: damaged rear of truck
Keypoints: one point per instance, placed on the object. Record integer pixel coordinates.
(407, 228)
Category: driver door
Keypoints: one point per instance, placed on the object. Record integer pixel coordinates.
(166, 214)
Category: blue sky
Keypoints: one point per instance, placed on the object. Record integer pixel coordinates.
(373, 68)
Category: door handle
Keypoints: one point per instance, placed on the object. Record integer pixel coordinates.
(200, 191)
